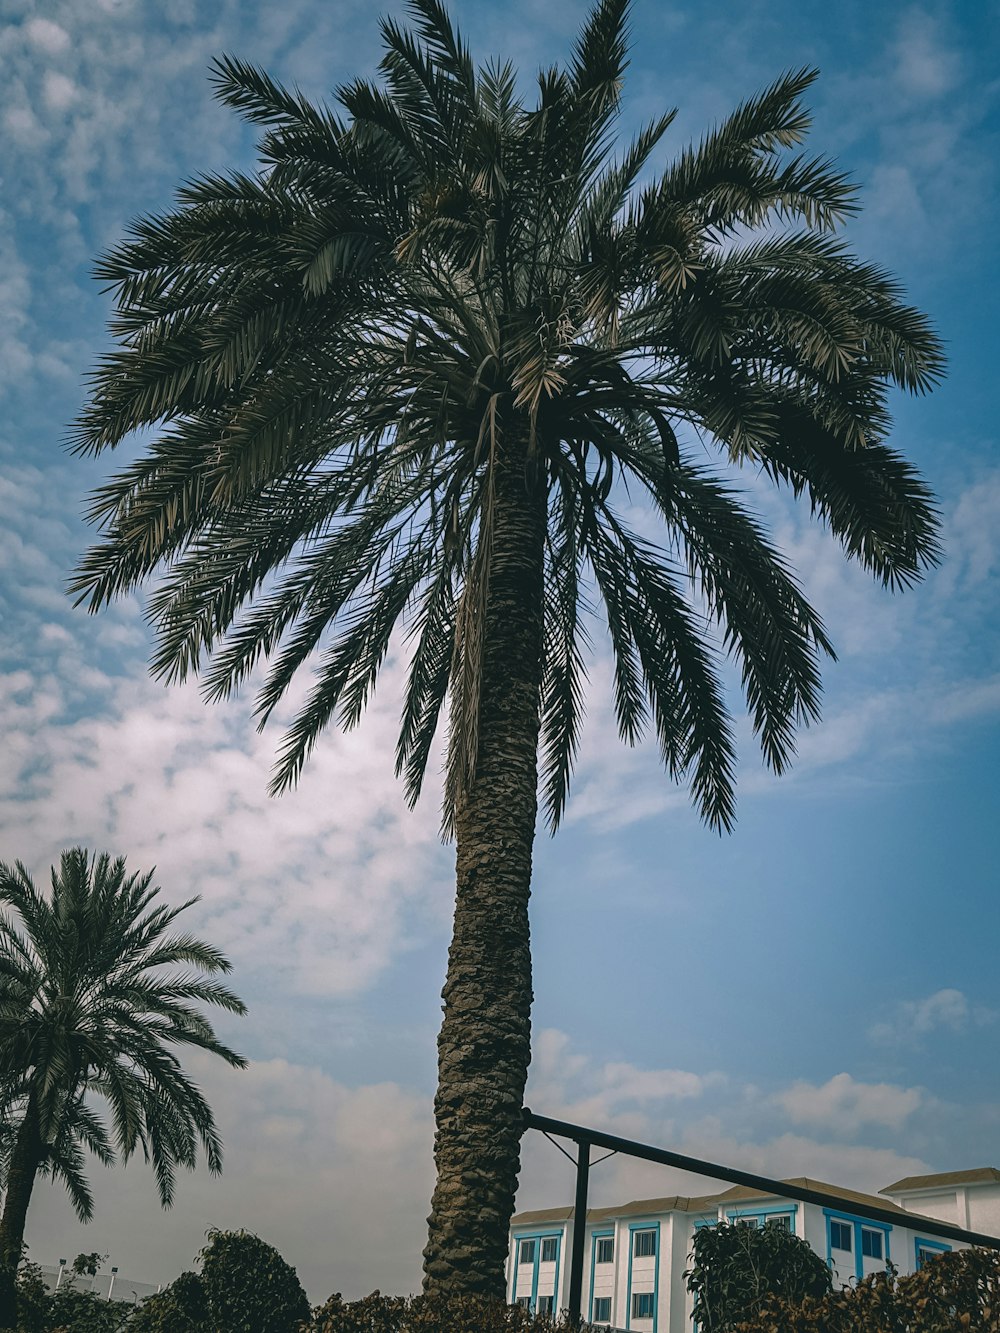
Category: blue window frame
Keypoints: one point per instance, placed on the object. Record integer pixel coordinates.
(644, 1245)
(601, 1312)
(929, 1249)
(642, 1305)
(781, 1216)
(546, 1304)
(604, 1252)
(848, 1234)
(871, 1243)
(529, 1253)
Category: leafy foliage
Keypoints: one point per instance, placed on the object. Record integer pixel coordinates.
(88, 1264)
(333, 352)
(180, 1308)
(248, 1286)
(33, 1299)
(953, 1293)
(737, 1268)
(72, 1311)
(66, 1310)
(429, 1314)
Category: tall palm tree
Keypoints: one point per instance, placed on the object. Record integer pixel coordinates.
(407, 377)
(89, 1007)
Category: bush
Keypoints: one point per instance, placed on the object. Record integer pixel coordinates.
(64, 1311)
(954, 1293)
(249, 1288)
(180, 1308)
(426, 1314)
(33, 1300)
(737, 1267)
(84, 1312)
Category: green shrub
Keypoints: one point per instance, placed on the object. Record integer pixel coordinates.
(180, 1308)
(737, 1267)
(249, 1287)
(84, 1312)
(33, 1300)
(66, 1310)
(954, 1293)
(424, 1314)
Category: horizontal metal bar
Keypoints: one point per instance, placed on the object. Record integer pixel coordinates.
(924, 1225)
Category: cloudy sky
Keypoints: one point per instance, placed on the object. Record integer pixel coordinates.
(817, 993)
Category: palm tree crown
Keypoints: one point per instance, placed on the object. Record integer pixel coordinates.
(89, 1006)
(338, 343)
(411, 373)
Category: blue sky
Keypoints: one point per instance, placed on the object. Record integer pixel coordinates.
(815, 994)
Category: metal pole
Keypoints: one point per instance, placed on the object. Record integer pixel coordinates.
(579, 1230)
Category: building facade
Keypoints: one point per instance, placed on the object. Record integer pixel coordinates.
(635, 1254)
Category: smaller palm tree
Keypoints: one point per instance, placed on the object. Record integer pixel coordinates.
(91, 1002)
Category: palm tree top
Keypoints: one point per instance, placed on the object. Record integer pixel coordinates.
(339, 350)
(98, 995)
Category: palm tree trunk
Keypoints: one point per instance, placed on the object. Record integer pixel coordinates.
(24, 1163)
(485, 1042)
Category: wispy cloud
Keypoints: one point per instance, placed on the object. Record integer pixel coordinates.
(713, 1117)
(843, 1105)
(926, 65)
(321, 887)
(946, 1010)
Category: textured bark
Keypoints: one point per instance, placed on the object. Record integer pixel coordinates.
(24, 1165)
(485, 1042)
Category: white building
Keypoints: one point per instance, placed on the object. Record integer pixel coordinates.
(635, 1254)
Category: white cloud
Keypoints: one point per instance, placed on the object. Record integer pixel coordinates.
(323, 886)
(842, 1104)
(570, 1084)
(925, 66)
(945, 1010)
(58, 91)
(47, 36)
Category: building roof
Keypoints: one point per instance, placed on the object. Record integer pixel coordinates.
(979, 1175)
(674, 1203)
(740, 1193)
(737, 1194)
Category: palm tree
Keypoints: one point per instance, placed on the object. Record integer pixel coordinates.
(88, 1006)
(403, 381)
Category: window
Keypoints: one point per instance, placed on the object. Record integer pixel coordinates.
(601, 1313)
(871, 1243)
(781, 1220)
(642, 1305)
(752, 1222)
(644, 1244)
(605, 1250)
(524, 1302)
(527, 1252)
(546, 1304)
(840, 1235)
(550, 1249)
(927, 1252)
